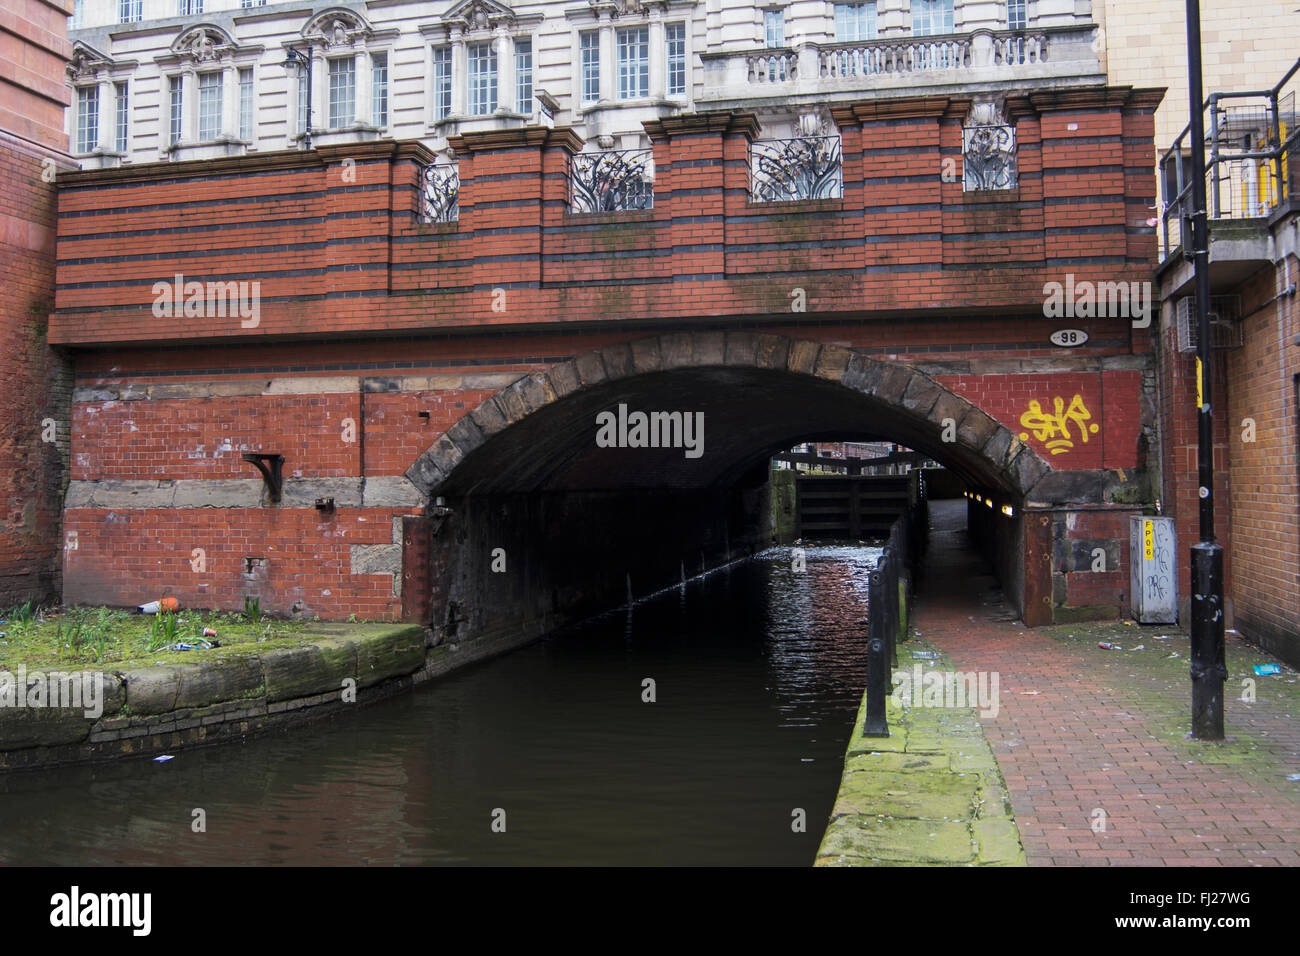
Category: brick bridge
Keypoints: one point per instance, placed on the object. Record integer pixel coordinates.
(433, 388)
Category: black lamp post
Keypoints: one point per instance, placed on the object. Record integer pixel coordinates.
(294, 57)
(1208, 669)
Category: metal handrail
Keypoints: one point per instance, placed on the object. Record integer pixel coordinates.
(1221, 164)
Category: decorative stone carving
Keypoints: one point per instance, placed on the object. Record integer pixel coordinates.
(621, 8)
(336, 28)
(203, 44)
(86, 62)
(202, 48)
(817, 123)
(480, 15)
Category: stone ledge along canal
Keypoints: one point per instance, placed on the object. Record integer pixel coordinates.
(758, 671)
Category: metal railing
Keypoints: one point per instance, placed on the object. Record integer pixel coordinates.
(615, 180)
(1251, 138)
(438, 193)
(889, 601)
(788, 170)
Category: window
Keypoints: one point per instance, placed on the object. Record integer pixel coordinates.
(931, 17)
(482, 79)
(590, 67)
(676, 37)
(123, 116)
(774, 27)
(379, 89)
(855, 22)
(189, 8)
(246, 104)
(209, 106)
(1017, 14)
(87, 118)
(343, 86)
(441, 82)
(303, 105)
(524, 76)
(247, 4)
(633, 63)
(78, 14)
(128, 11)
(175, 102)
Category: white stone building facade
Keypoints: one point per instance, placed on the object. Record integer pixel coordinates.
(191, 79)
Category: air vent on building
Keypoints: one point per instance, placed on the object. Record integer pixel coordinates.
(1224, 327)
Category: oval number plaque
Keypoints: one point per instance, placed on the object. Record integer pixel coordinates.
(1068, 338)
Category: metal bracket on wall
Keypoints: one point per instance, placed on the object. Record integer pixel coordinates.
(272, 476)
(438, 515)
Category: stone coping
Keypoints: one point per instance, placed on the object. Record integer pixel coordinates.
(930, 794)
(155, 708)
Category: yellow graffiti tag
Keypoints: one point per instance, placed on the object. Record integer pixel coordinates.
(1054, 428)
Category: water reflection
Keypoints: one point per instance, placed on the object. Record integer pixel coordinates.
(757, 670)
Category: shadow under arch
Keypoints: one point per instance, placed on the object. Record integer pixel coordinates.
(759, 393)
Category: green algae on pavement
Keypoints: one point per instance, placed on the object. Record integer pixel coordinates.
(930, 794)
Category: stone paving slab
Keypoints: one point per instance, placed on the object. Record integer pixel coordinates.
(930, 794)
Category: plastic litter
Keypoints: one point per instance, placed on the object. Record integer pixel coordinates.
(209, 632)
(1264, 669)
(163, 759)
(1140, 647)
(162, 604)
(1293, 776)
(193, 646)
(1108, 646)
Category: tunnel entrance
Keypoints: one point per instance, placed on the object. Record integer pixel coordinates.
(620, 472)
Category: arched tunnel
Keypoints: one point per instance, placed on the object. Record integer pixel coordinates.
(542, 524)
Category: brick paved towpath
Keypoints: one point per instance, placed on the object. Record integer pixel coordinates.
(1083, 731)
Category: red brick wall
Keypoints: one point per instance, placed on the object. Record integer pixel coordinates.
(193, 438)
(1178, 430)
(360, 262)
(131, 556)
(34, 381)
(945, 277)
(1264, 552)
(1110, 402)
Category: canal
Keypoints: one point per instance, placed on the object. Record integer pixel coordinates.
(757, 671)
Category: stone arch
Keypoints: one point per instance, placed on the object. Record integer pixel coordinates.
(482, 452)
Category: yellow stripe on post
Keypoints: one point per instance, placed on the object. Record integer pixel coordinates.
(1199, 392)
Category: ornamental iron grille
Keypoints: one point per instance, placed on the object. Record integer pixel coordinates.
(990, 157)
(616, 180)
(439, 191)
(788, 170)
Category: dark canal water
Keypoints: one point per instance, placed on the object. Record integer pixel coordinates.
(758, 671)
